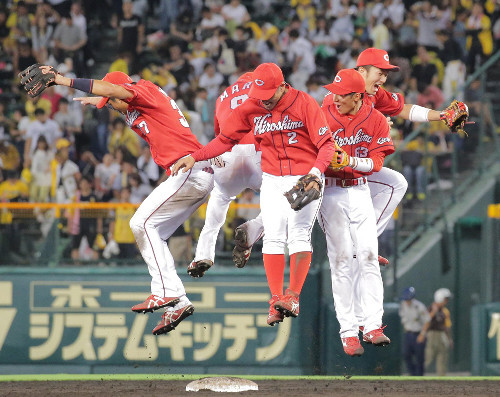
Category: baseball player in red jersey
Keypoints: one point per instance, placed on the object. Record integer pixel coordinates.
(295, 140)
(154, 116)
(234, 170)
(363, 135)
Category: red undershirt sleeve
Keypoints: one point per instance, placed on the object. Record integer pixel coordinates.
(378, 161)
(325, 155)
(214, 148)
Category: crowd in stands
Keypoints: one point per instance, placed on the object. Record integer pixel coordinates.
(54, 150)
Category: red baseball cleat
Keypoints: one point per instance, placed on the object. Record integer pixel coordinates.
(352, 346)
(376, 337)
(288, 305)
(382, 261)
(275, 316)
(171, 319)
(197, 269)
(153, 303)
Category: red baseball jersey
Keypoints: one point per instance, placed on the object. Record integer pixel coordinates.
(232, 97)
(362, 135)
(289, 135)
(156, 118)
(388, 103)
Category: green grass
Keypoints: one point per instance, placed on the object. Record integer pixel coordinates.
(139, 377)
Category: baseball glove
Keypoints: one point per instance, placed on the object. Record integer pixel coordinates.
(304, 191)
(36, 78)
(340, 160)
(455, 116)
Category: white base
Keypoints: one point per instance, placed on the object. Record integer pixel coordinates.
(222, 384)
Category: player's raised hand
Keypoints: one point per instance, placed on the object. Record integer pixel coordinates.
(185, 162)
(88, 100)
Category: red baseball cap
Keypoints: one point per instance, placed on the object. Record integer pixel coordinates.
(267, 77)
(115, 78)
(375, 57)
(347, 81)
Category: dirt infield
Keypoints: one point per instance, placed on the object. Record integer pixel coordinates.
(281, 388)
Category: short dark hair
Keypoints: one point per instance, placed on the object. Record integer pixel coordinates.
(39, 111)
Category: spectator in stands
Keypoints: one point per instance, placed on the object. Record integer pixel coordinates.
(197, 56)
(23, 55)
(425, 72)
(182, 30)
(415, 166)
(138, 189)
(83, 223)
(122, 136)
(51, 95)
(4, 30)
(178, 66)
(9, 156)
(437, 332)
(65, 174)
(452, 57)
(12, 189)
(119, 229)
(69, 41)
(146, 164)
(211, 81)
(130, 30)
(19, 22)
(18, 131)
(41, 126)
(428, 23)
(342, 30)
(40, 171)
(180, 245)
(104, 177)
(300, 56)
(268, 47)
(234, 14)
(250, 199)
(69, 122)
(41, 36)
(479, 37)
(209, 22)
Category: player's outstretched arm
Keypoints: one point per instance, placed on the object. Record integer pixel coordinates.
(186, 162)
(37, 77)
(419, 113)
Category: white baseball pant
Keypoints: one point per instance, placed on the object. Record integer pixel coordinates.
(283, 226)
(242, 170)
(167, 207)
(348, 220)
(387, 189)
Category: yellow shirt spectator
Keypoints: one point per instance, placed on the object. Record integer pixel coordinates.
(122, 233)
(122, 136)
(12, 189)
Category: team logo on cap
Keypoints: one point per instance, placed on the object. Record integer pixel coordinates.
(259, 82)
(337, 79)
(386, 57)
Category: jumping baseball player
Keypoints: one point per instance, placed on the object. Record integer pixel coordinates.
(347, 215)
(154, 116)
(235, 171)
(296, 143)
(387, 187)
